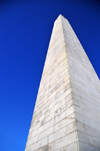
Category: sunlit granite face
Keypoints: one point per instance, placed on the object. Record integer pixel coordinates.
(67, 111)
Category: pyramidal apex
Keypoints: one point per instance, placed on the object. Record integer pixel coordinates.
(61, 18)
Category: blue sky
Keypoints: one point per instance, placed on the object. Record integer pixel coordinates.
(25, 30)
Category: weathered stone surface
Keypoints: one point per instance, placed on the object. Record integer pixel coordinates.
(67, 111)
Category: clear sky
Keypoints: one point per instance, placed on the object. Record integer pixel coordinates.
(25, 30)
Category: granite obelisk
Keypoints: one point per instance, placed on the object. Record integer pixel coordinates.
(67, 111)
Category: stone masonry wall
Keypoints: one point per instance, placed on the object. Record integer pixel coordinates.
(67, 111)
(85, 91)
(53, 126)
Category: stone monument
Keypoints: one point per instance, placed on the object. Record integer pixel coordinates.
(67, 111)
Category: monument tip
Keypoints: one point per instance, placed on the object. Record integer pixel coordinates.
(61, 16)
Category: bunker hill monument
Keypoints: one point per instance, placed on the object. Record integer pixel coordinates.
(67, 111)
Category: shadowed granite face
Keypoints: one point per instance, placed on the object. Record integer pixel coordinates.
(67, 111)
